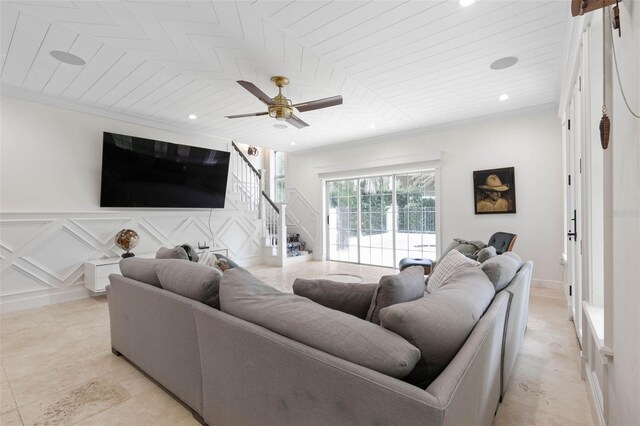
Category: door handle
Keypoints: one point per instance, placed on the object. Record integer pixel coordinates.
(574, 235)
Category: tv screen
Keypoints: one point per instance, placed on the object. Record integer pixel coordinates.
(138, 172)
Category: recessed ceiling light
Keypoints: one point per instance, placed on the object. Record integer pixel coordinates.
(503, 97)
(466, 3)
(193, 116)
(372, 125)
(502, 63)
(293, 143)
(280, 126)
(67, 58)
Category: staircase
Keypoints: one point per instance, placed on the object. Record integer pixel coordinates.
(248, 183)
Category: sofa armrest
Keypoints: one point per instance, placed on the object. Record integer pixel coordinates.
(288, 383)
(155, 329)
(469, 387)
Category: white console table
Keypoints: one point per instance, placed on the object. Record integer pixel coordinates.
(96, 273)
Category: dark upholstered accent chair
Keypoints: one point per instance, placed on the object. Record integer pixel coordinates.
(502, 241)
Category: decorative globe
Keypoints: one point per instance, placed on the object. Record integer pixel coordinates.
(127, 239)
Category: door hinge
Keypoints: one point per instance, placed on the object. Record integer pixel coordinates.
(327, 219)
(570, 290)
(580, 247)
(580, 83)
(581, 166)
(569, 124)
(569, 180)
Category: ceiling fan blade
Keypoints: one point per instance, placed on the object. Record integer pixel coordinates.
(253, 114)
(319, 103)
(253, 89)
(295, 121)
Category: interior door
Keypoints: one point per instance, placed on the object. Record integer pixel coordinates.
(574, 203)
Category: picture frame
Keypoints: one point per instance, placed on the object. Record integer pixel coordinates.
(494, 191)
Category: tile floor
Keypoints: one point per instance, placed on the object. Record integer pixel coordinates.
(57, 367)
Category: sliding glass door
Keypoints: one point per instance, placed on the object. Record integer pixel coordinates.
(381, 219)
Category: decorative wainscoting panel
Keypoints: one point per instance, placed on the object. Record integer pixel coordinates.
(304, 217)
(42, 255)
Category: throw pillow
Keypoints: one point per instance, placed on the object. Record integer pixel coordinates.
(189, 279)
(298, 318)
(406, 286)
(172, 253)
(447, 267)
(192, 255)
(500, 270)
(469, 248)
(140, 269)
(439, 323)
(486, 253)
(350, 298)
(515, 258)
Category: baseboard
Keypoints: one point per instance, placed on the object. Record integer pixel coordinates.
(38, 298)
(556, 285)
(595, 397)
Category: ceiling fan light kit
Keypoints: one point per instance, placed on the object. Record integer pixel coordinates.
(281, 108)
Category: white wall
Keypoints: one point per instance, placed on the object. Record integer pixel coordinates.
(624, 371)
(531, 143)
(51, 157)
(50, 219)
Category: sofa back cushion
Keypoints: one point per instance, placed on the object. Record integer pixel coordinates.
(190, 279)
(345, 336)
(350, 298)
(140, 269)
(176, 252)
(500, 270)
(406, 286)
(439, 323)
(452, 263)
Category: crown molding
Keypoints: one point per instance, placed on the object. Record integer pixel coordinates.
(14, 92)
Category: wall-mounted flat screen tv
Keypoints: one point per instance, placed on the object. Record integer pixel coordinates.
(138, 172)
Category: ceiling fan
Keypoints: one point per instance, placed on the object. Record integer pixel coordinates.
(280, 107)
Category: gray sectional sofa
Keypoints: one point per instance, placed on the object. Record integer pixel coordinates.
(232, 371)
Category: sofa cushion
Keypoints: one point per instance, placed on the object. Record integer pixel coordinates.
(172, 253)
(350, 298)
(486, 254)
(447, 267)
(515, 258)
(500, 270)
(140, 269)
(439, 323)
(345, 336)
(190, 279)
(406, 286)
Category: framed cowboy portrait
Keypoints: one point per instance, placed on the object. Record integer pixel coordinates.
(494, 191)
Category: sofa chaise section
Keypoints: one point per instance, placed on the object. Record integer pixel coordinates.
(254, 376)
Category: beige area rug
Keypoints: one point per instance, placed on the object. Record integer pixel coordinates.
(343, 278)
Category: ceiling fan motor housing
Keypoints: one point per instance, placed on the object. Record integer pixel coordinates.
(282, 110)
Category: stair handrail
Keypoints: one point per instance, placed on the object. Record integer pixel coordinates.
(246, 160)
(270, 201)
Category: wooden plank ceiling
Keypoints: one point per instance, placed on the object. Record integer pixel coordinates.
(398, 64)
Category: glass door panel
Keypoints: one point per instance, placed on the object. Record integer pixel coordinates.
(415, 230)
(375, 220)
(343, 220)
